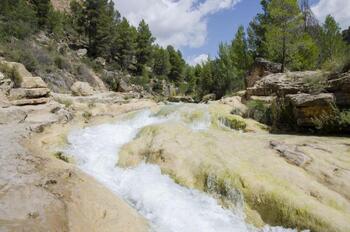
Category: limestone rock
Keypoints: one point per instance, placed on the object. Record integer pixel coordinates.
(209, 97)
(290, 153)
(18, 67)
(340, 86)
(260, 69)
(30, 82)
(238, 108)
(82, 52)
(303, 109)
(12, 114)
(3, 100)
(34, 101)
(82, 89)
(123, 86)
(21, 93)
(279, 84)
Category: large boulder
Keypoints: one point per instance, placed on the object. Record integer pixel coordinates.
(33, 82)
(19, 68)
(209, 97)
(33, 101)
(82, 89)
(340, 86)
(300, 111)
(261, 68)
(12, 115)
(21, 93)
(282, 84)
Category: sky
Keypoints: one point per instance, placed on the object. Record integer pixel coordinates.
(196, 27)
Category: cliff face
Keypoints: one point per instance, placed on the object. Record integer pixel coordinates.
(302, 101)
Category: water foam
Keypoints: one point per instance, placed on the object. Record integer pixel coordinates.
(169, 207)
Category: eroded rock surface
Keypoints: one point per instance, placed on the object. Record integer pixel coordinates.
(82, 89)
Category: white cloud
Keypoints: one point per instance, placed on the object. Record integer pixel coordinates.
(198, 59)
(176, 22)
(339, 9)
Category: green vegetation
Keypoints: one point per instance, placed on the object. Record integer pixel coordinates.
(260, 111)
(61, 156)
(234, 122)
(337, 122)
(11, 73)
(280, 33)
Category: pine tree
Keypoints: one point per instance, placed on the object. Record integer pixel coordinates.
(161, 66)
(100, 19)
(42, 8)
(144, 46)
(332, 44)
(177, 65)
(124, 45)
(17, 18)
(257, 31)
(239, 53)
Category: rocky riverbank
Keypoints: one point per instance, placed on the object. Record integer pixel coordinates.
(39, 190)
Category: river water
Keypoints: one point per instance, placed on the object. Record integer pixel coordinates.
(168, 206)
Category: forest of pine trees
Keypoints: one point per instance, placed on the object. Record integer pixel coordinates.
(280, 33)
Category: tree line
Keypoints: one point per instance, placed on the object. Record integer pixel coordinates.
(281, 33)
(97, 26)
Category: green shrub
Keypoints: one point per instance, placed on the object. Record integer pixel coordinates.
(61, 156)
(337, 122)
(234, 122)
(259, 111)
(316, 84)
(11, 73)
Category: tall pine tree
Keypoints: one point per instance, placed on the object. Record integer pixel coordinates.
(144, 46)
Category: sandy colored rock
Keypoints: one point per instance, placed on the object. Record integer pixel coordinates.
(18, 67)
(261, 68)
(20, 93)
(42, 193)
(11, 115)
(34, 101)
(82, 89)
(33, 82)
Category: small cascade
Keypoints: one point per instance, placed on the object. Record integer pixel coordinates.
(168, 206)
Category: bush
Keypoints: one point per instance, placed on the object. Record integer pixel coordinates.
(316, 84)
(337, 122)
(234, 122)
(11, 73)
(259, 111)
(61, 156)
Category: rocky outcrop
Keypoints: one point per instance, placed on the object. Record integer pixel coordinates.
(281, 84)
(209, 97)
(261, 68)
(301, 111)
(82, 89)
(30, 82)
(20, 93)
(29, 90)
(340, 86)
(291, 153)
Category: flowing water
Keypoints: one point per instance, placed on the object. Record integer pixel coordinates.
(168, 206)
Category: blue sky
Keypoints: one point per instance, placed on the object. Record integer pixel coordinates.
(196, 27)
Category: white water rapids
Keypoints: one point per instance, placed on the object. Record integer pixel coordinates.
(168, 206)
